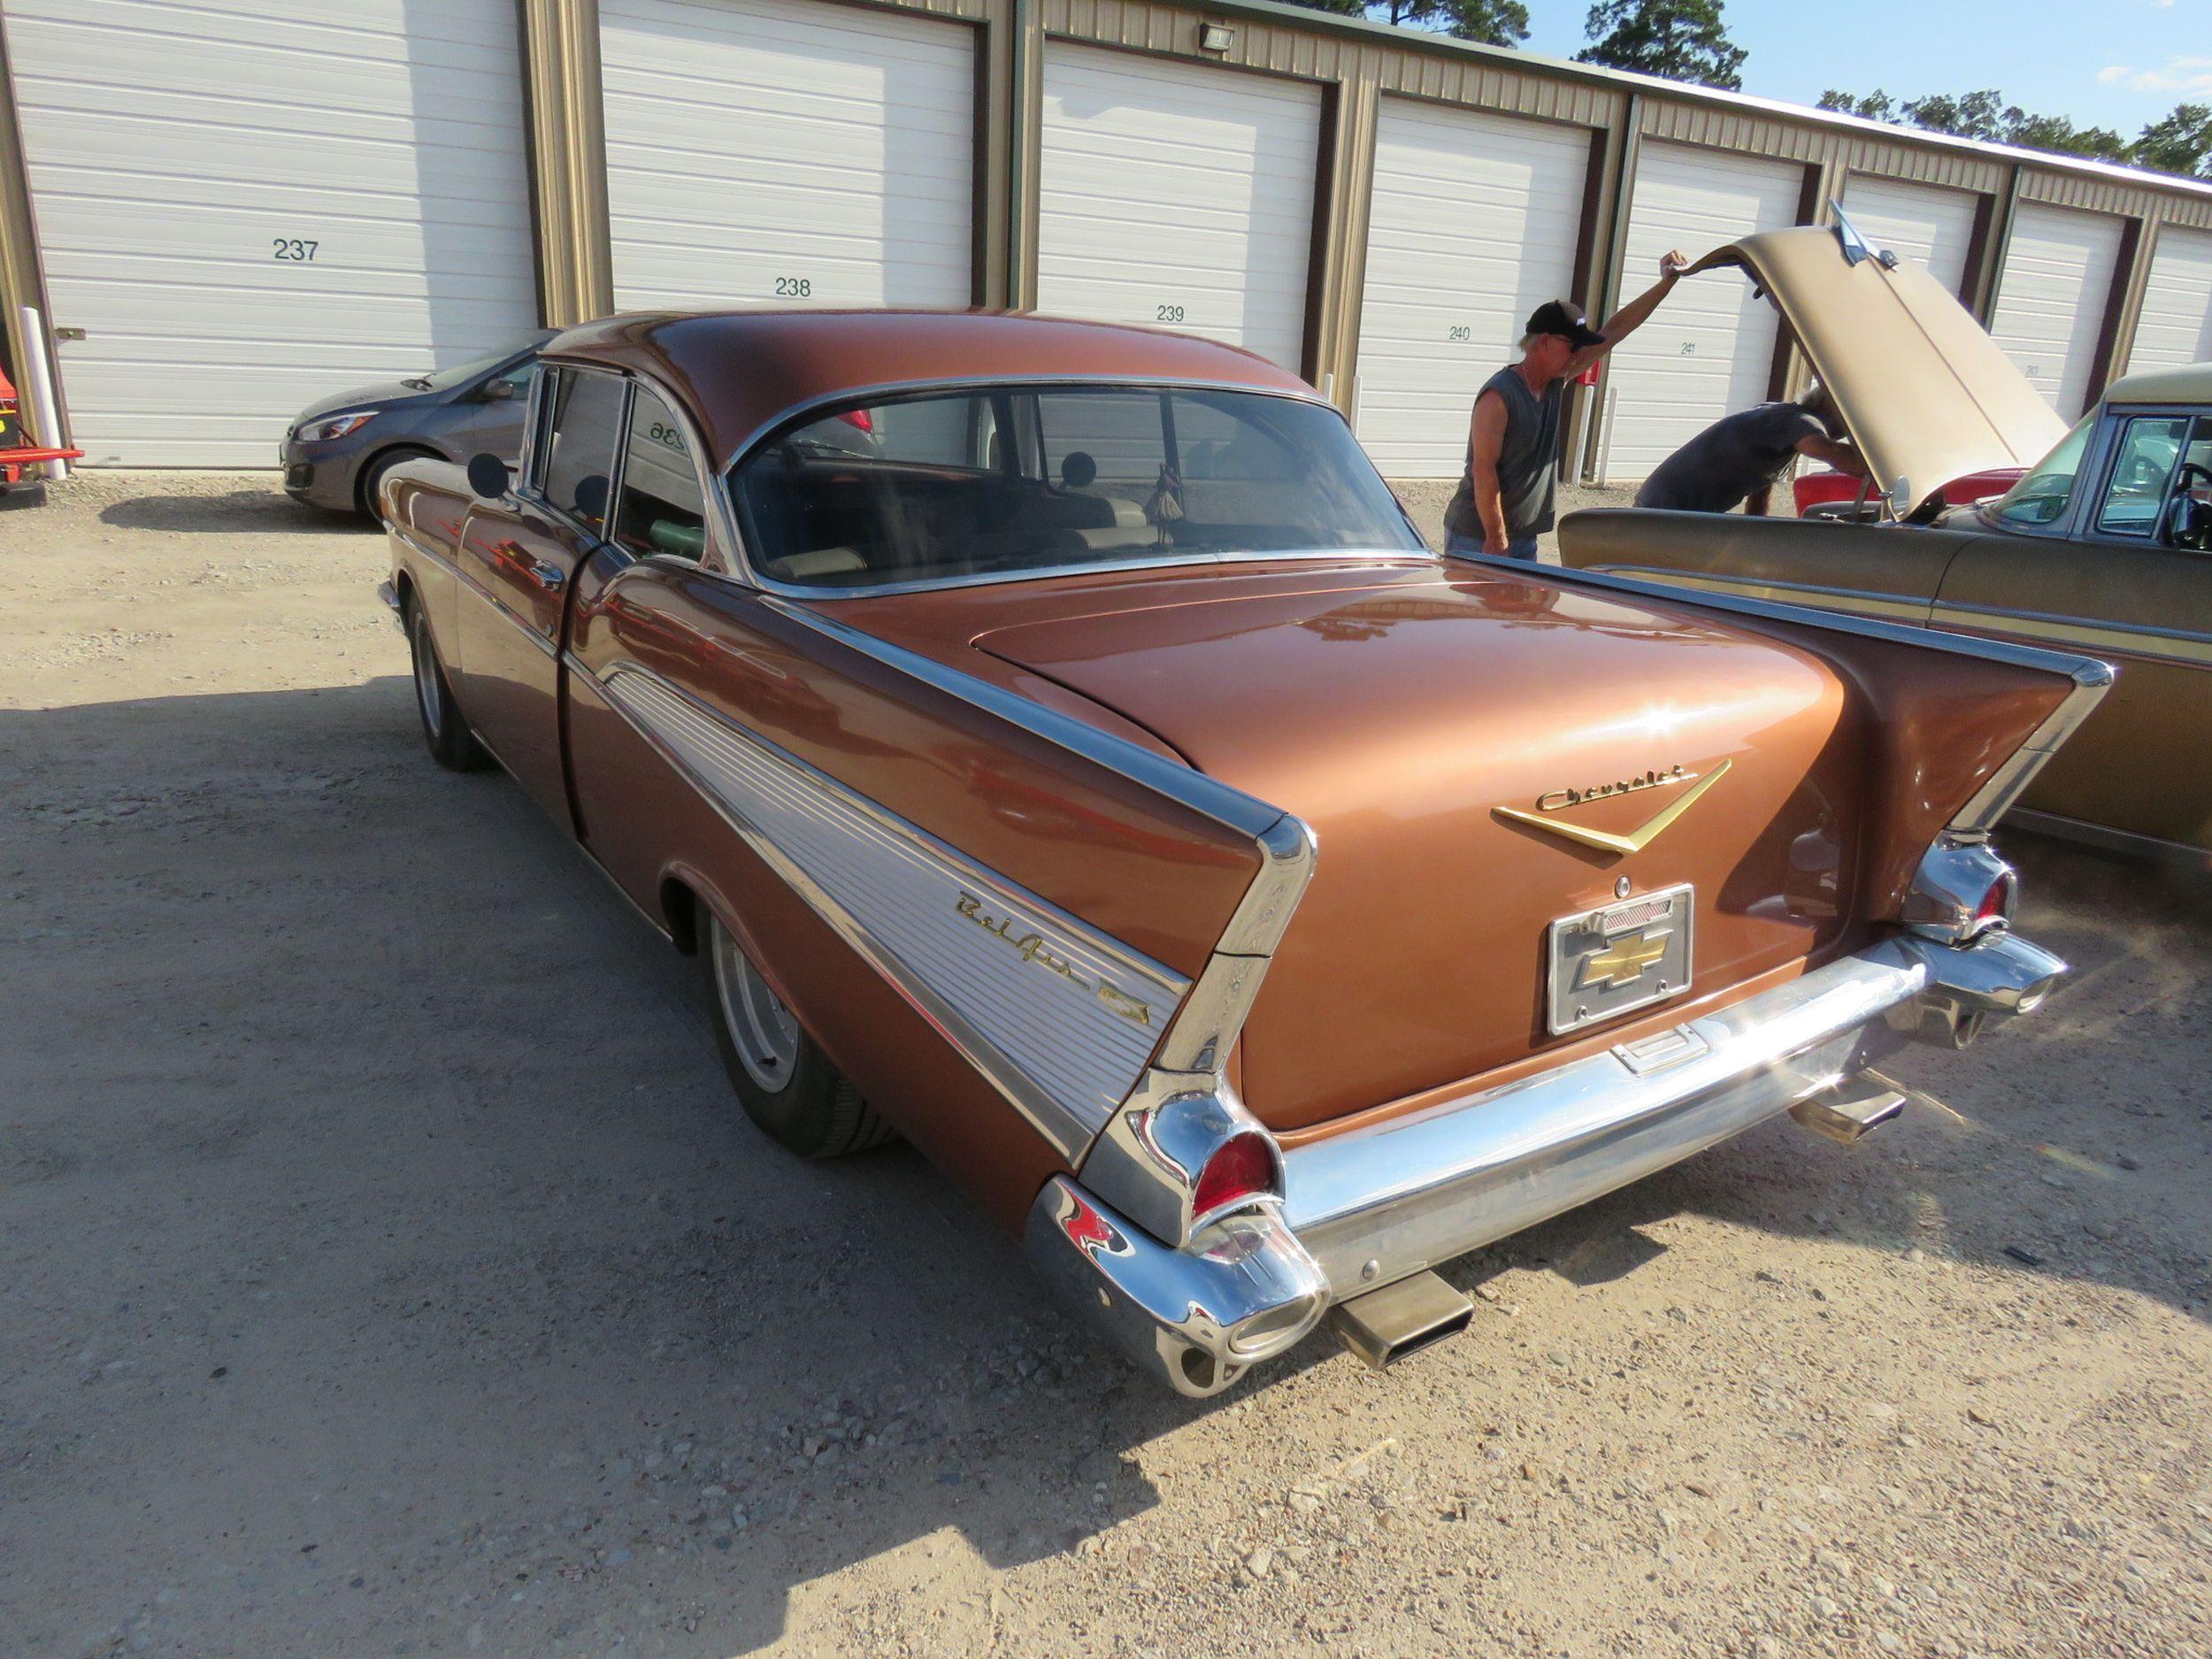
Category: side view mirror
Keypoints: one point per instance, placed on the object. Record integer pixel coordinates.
(500, 391)
(591, 496)
(488, 475)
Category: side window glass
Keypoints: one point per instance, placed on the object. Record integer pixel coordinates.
(583, 427)
(2040, 497)
(663, 510)
(2142, 462)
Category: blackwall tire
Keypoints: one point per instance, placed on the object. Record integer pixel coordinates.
(444, 731)
(784, 1081)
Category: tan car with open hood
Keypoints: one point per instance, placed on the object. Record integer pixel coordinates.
(2104, 545)
(1057, 747)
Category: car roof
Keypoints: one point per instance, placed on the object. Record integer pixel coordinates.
(742, 372)
(2191, 383)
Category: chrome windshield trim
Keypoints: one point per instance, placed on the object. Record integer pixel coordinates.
(752, 577)
(956, 1004)
(791, 413)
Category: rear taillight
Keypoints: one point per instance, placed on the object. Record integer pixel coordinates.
(1961, 891)
(858, 419)
(1995, 910)
(1242, 1171)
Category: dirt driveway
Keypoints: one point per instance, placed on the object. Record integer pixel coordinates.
(384, 1269)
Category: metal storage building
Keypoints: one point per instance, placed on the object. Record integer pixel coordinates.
(216, 211)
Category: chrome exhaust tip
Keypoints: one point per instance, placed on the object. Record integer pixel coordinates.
(1383, 1326)
(1846, 1112)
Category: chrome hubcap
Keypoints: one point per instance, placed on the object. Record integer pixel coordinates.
(425, 677)
(760, 1028)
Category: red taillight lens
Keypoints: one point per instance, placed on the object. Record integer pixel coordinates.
(859, 419)
(1996, 906)
(1242, 1169)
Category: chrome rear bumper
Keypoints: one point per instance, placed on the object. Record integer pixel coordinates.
(1370, 1206)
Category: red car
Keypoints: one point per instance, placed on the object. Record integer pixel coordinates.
(1832, 494)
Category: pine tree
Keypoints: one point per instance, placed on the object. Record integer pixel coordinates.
(1678, 40)
(1489, 22)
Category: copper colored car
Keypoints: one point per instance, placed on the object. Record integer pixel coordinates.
(2098, 538)
(1057, 748)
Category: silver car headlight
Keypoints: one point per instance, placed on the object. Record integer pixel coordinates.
(323, 428)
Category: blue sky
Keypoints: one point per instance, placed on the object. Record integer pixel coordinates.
(2109, 63)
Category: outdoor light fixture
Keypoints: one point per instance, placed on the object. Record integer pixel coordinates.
(1215, 37)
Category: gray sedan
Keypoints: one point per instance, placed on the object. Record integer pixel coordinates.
(338, 451)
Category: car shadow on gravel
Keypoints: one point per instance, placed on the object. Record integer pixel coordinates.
(401, 1205)
(262, 511)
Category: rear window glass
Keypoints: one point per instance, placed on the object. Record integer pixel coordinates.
(970, 484)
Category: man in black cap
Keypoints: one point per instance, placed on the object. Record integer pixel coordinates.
(1504, 500)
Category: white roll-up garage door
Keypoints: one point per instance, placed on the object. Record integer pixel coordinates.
(2051, 299)
(2176, 324)
(1925, 223)
(1178, 195)
(786, 153)
(1709, 349)
(250, 204)
(1474, 223)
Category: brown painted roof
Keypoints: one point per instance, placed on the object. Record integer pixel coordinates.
(741, 370)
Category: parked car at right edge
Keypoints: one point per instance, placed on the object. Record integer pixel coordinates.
(2102, 541)
(1056, 746)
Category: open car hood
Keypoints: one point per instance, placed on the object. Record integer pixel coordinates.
(1927, 395)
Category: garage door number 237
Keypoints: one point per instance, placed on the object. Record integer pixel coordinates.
(292, 249)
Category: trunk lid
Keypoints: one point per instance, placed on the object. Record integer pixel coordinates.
(1927, 395)
(1408, 722)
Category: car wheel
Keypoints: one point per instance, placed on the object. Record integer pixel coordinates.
(452, 745)
(367, 492)
(783, 1080)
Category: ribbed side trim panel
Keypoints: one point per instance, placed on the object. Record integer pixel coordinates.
(1060, 1017)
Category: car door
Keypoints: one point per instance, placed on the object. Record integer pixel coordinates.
(517, 558)
(2128, 579)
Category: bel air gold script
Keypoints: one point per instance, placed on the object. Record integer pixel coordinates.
(1033, 949)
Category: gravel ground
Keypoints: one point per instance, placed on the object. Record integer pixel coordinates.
(387, 1272)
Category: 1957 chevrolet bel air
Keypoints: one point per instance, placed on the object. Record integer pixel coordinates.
(1059, 748)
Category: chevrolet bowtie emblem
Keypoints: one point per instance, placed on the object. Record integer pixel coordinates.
(1621, 962)
(1637, 839)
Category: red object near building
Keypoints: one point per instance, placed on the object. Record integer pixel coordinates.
(1830, 495)
(15, 455)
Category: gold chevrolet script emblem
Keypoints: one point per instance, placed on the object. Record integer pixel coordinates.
(1621, 962)
(1637, 839)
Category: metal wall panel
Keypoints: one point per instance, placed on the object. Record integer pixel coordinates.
(1932, 227)
(2175, 323)
(1178, 195)
(2052, 297)
(1709, 350)
(250, 204)
(757, 156)
(1473, 225)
